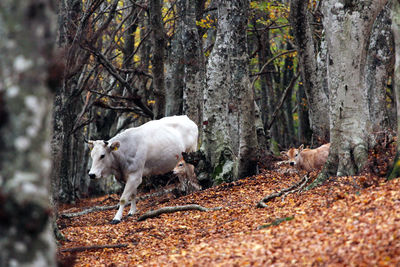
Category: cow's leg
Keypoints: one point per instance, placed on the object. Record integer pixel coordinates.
(132, 210)
(130, 189)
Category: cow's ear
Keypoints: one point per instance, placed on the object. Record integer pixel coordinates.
(283, 153)
(90, 144)
(301, 147)
(115, 145)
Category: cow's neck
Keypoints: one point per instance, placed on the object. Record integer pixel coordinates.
(117, 169)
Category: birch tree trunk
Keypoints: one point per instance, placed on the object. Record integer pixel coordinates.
(26, 40)
(348, 28)
(317, 99)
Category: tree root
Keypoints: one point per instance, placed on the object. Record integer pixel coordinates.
(158, 212)
(294, 188)
(80, 249)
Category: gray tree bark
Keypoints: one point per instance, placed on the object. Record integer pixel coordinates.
(26, 42)
(395, 16)
(216, 144)
(158, 42)
(379, 66)
(194, 65)
(65, 109)
(229, 139)
(174, 77)
(244, 92)
(348, 28)
(317, 99)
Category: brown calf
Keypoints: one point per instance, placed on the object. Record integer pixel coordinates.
(308, 159)
(187, 177)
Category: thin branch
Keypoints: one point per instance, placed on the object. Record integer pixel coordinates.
(112, 96)
(111, 69)
(269, 62)
(120, 109)
(158, 212)
(284, 96)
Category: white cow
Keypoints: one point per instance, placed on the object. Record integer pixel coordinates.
(152, 148)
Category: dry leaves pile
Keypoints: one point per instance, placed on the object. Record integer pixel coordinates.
(348, 221)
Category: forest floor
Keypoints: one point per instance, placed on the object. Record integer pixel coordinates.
(348, 221)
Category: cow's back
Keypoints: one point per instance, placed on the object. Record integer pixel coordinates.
(312, 159)
(156, 146)
(186, 128)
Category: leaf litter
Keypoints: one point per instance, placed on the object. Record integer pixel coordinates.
(348, 221)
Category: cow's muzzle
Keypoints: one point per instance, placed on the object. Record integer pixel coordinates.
(92, 176)
(291, 163)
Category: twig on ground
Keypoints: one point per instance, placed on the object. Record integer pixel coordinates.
(102, 208)
(290, 189)
(80, 249)
(158, 212)
(298, 189)
(83, 212)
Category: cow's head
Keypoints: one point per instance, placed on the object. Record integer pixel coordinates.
(102, 158)
(293, 155)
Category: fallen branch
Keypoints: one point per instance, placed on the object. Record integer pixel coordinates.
(298, 189)
(290, 189)
(158, 212)
(83, 212)
(80, 249)
(102, 208)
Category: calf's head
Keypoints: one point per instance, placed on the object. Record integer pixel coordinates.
(180, 167)
(293, 154)
(102, 158)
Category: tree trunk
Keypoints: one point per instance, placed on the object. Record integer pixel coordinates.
(158, 41)
(348, 27)
(174, 78)
(304, 130)
(65, 108)
(317, 99)
(194, 65)
(25, 128)
(217, 145)
(229, 140)
(395, 14)
(379, 65)
(241, 84)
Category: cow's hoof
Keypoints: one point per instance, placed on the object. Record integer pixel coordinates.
(115, 221)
